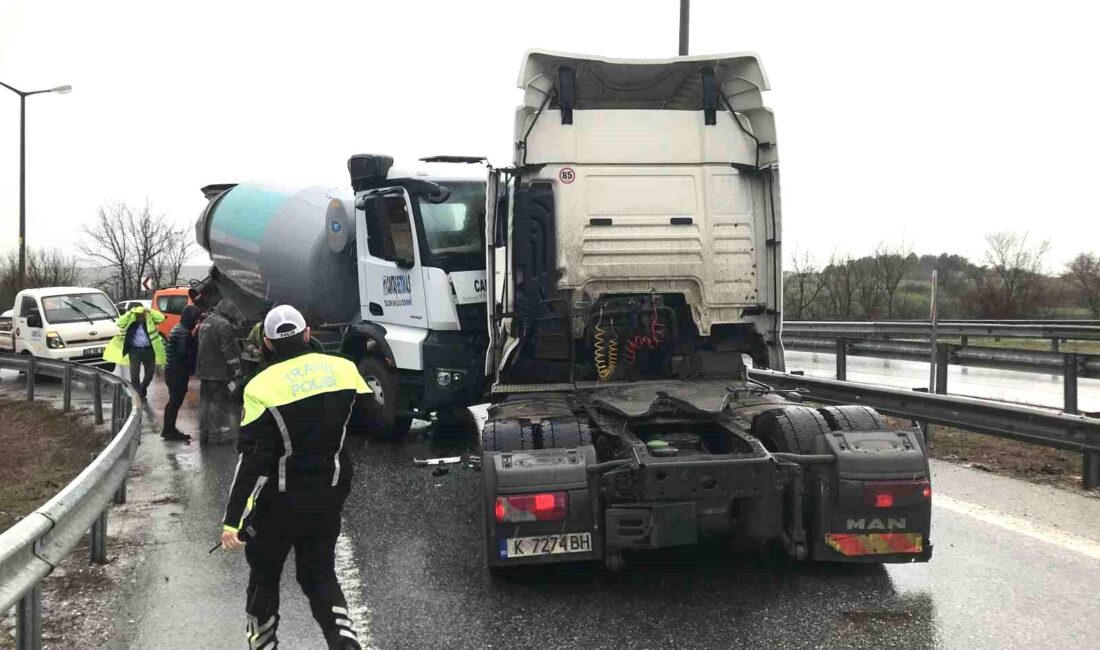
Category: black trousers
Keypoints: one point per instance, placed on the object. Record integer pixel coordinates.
(176, 381)
(140, 357)
(309, 524)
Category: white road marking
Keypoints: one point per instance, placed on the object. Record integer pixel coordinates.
(1068, 541)
(347, 570)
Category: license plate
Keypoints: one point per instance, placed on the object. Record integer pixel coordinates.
(546, 545)
(93, 352)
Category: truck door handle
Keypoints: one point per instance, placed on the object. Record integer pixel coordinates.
(375, 309)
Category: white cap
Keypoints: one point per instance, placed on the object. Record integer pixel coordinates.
(283, 315)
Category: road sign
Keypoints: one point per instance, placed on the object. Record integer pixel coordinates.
(148, 284)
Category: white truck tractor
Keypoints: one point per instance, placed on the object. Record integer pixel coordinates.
(390, 272)
(634, 272)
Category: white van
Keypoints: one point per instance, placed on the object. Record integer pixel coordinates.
(70, 323)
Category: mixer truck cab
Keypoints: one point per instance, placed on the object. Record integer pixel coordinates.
(390, 272)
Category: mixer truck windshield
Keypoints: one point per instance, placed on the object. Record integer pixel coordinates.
(454, 230)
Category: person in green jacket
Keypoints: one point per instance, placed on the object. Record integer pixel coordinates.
(138, 344)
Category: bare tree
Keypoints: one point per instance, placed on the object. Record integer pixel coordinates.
(1012, 284)
(135, 243)
(802, 286)
(868, 288)
(839, 293)
(1084, 274)
(45, 268)
(892, 263)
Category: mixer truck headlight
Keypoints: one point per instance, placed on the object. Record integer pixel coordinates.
(54, 341)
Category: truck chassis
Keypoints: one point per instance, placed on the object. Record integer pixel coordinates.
(587, 472)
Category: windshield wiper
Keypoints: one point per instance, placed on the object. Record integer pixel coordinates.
(97, 307)
(77, 310)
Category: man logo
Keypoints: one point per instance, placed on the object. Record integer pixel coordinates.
(876, 524)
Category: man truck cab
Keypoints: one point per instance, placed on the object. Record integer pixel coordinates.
(67, 323)
(634, 268)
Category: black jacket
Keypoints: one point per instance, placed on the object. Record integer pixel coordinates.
(182, 348)
(181, 351)
(296, 413)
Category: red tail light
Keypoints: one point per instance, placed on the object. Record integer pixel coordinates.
(890, 494)
(547, 506)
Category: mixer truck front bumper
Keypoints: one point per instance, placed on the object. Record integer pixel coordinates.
(454, 368)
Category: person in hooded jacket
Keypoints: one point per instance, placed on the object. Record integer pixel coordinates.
(138, 344)
(219, 370)
(182, 356)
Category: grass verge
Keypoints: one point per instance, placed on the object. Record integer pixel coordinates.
(43, 449)
(1034, 463)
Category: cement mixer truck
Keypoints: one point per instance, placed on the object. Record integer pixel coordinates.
(395, 278)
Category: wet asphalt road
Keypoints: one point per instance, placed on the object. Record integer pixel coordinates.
(1015, 566)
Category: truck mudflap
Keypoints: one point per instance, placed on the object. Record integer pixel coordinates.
(874, 504)
(540, 506)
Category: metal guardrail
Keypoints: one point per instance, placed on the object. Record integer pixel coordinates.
(1028, 424)
(1026, 330)
(34, 546)
(1071, 366)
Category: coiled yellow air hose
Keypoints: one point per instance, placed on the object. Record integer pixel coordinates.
(605, 353)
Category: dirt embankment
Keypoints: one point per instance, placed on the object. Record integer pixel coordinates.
(43, 449)
(1034, 463)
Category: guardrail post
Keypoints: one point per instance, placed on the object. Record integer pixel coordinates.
(28, 620)
(1054, 345)
(99, 539)
(67, 389)
(32, 370)
(120, 496)
(943, 356)
(1069, 383)
(97, 398)
(1090, 472)
(964, 340)
(116, 410)
(842, 359)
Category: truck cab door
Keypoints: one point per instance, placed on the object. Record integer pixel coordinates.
(29, 325)
(391, 284)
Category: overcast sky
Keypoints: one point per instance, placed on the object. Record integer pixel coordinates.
(936, 122)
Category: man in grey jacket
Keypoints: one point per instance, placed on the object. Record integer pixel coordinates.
(219, 369)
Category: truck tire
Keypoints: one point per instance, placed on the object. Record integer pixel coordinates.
(524, 435)
(790, 429)
(383, 385)
(852, 418)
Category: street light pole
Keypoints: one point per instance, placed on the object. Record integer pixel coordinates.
(23, 170)
(685, 22)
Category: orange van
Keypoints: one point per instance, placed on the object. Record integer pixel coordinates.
(170, 302)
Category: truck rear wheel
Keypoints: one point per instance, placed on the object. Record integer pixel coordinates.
(524, 435)
(852, 418)
(790, 429)
(383, 385)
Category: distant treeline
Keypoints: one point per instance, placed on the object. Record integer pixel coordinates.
(1011, 280)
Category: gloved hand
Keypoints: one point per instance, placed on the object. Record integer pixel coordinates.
(235, 387)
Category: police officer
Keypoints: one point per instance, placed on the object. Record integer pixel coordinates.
(293, 477)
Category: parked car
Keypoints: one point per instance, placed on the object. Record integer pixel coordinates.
(170, 302)
(70, 323)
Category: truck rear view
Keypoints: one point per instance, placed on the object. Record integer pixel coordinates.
(634, 266)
